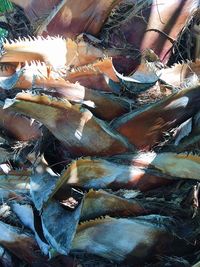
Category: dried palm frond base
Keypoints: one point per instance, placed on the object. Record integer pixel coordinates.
(99, 136)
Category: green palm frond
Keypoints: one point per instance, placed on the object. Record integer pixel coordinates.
(5, 6)
(3, 33)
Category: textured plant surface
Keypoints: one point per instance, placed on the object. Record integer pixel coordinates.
(99, 133)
